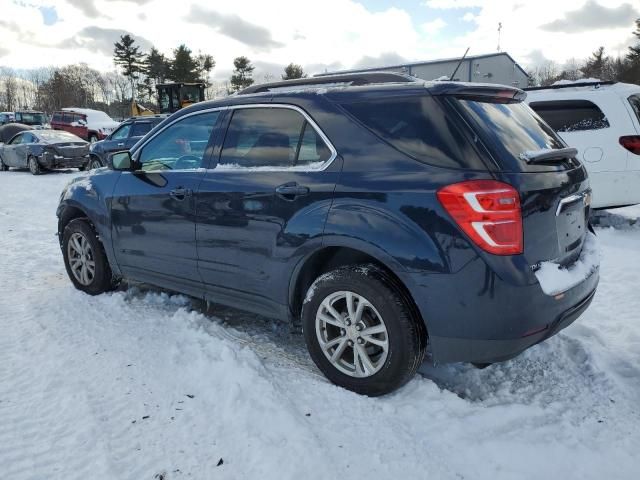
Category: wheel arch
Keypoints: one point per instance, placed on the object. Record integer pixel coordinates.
(331, 256)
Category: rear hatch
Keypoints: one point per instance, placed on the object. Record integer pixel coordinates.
(523, 151)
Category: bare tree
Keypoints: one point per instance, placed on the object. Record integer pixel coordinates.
(9, 89)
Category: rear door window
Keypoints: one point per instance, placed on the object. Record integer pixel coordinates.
(140, 129)
(67, 118)
(571, 115)
(57, 117)
(272, 137)
(420, 127)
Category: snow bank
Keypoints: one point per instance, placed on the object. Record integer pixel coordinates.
(135, 386)
(555, 279)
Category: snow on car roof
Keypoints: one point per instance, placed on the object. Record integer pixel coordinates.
(92, 115)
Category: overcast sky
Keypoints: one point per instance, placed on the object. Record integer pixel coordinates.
(324, 34)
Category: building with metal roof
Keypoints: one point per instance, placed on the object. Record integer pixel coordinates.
(497, 67)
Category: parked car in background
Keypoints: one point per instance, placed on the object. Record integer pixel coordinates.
(71, 122)
(32, 118)
(601, 120)
(92, 125)
(6, 117)
(44, 149)
(122, 138)
(10, 129)
(390, 216)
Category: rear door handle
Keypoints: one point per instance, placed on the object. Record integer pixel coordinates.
(121, 144)
(180, 193)
(292, 190)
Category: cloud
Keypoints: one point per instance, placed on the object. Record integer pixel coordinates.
(468, 17)
(388, 58)
(450, 4)
(230, 25)
(433, 28)
(592, 16)
(87, 7)
(3, 51)
(97, 39)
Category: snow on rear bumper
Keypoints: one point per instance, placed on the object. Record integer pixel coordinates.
(555, 279)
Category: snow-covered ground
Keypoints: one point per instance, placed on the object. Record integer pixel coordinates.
(142, 385)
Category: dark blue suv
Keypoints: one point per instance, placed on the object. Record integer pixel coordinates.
(391, 217)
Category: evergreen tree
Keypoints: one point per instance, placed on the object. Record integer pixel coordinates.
(634, 51)
(596, 65)
(156, 66)
(183, 67)
(242, 74)
(293, 71)
(205, 65)
(127, 55)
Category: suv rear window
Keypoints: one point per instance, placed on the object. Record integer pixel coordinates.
(571, 115)
(511, 129)
(419, 127)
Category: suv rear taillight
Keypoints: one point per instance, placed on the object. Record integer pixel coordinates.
(631, 143)
(487, 211)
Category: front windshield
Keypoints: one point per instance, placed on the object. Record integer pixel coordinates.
(190, 94)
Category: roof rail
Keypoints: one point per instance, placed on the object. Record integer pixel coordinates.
(353, 79)
(572, 85)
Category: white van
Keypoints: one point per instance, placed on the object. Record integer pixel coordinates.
(601, 120)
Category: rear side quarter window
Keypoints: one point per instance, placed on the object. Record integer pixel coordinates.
(571, 115)
(420, 127)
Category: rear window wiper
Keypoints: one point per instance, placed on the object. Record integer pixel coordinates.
(548, 155)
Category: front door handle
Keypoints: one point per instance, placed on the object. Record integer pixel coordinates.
(121, 144)
(180, 193)
(291, 191)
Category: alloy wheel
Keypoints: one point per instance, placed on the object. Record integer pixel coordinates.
(81, 259)
(352, 334)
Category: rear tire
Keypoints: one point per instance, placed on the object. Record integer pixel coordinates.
(395, 346)
(94, 163)
(84, 258)
(34, 166)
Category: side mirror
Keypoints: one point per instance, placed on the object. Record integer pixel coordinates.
(120, 161)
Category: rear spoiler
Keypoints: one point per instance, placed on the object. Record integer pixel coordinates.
(548, 155)
(475, 91)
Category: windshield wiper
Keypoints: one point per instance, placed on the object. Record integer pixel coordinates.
(548, 155)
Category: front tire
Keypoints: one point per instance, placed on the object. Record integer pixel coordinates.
(3, 167)
(84, 258)
(360, 330)
(34, 166)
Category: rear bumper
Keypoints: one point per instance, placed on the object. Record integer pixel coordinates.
(475, 316)
(63, 162)
(491, 351)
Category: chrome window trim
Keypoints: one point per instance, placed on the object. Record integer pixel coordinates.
(314, 125)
